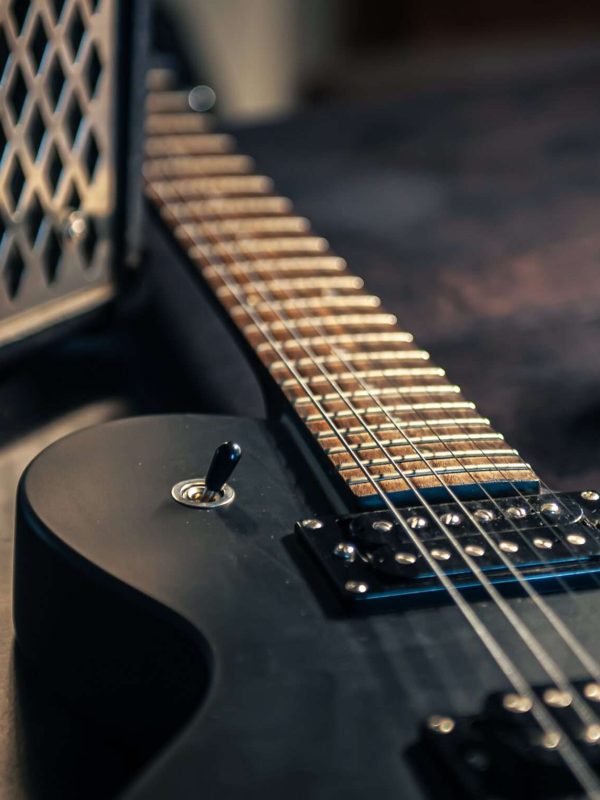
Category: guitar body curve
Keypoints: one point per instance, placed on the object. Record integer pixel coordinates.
(207, 638)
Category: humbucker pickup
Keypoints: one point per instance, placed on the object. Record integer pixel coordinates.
(378, 557)
(501, 753)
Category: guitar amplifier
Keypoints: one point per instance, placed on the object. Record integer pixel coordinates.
(70, 202)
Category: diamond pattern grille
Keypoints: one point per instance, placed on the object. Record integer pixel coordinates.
(57, 149)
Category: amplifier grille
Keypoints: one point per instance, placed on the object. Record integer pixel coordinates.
(57, 156)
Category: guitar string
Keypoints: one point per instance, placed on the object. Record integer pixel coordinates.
(586, 658)
(579, 651)
(545, 659)
(569, 753)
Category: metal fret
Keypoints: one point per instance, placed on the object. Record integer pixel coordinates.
(343, 340)
(516, 466)
(439, 455)
(300, 311)
(366, 374)
(394, 409)
(165, 123)
(382, 355)
(381, 392)
(298, 304)
(256, 226)
(200, 143)
(297, 284)
(230, 207)
(161, 102)
(442, 437)
(198, 165)
(175, 189)
(339, 320)
(265, 247)
(391, 426)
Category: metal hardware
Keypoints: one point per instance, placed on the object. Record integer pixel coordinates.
(211, 491)
(484, 515)
(543, 543)
(388, 558)
(440, 724)
(451, 519)
(500, 751)
(475, 550)
(517, 703)
(590, 496)
(557, 699)
(312, 524)
(516, 512)
(405, 558)
(591, 691)
(550, 509)
(383, 525)
(345, 551)
(192, 493)
(75, 226)
(357, 587)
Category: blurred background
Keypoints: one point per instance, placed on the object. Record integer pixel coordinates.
(266, 58)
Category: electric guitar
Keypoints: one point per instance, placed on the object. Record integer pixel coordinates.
(378, 599)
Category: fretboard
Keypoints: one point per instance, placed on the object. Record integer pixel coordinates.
(382, 413)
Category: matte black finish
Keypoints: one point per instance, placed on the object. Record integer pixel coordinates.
(208, 639)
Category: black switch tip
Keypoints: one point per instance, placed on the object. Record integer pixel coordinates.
(223, 462)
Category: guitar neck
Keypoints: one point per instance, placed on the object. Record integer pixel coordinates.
(380, 410)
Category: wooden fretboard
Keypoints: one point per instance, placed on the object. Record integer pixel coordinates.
(352, 375)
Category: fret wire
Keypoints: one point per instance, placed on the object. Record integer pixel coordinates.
(577, 769)
(518, 466)
(439, 455)
(375, 355)
(421, 423)
(450, 437)
(368, 410)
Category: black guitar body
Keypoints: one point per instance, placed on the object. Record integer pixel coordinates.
(208, 641)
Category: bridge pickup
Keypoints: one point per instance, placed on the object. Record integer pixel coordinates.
(375, 559)
(502, 753)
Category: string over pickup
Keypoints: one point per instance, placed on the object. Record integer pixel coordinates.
(374, 559)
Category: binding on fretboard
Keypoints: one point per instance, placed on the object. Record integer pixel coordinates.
(303, 312)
